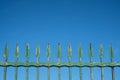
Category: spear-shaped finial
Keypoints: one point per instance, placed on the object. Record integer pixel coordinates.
(101, 53)
(59, 51)
(38, 51)
(48, 51)
(17, 51)
(111, 53)
(90, 52)
(69, 52)
(6, 52)
(27, 52)
(80, 52)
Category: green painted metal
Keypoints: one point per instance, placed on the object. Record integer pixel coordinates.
(59, 56)
(5, 59)
(69, 58)
(112, 58)
(80, 60)
(101, 60)
(48, 56)
(16, 56)
(59, 64)
(37, 61)
(27, 60)
(91, 68)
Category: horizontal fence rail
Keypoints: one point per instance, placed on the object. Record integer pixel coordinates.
(59, 64)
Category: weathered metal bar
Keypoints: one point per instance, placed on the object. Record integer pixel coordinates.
(70, 73)
(102, 73)
(16, 72)
(27, 60)
(27, 78)
(91, 68)
(37, 61)
(5, 71)
(5, 59)
(80, 73)
(112, 58)
(48, 56)
(113, 75)
(80, 60)
(59, 75)
(59, 56)
(101, 60)
(69, 58)
(61, 64)
(16, 56)
(91, 73)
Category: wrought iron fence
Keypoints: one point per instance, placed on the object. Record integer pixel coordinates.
(59, 64)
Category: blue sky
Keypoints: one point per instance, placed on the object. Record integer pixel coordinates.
(60, 21)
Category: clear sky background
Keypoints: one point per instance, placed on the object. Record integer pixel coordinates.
(60, 21)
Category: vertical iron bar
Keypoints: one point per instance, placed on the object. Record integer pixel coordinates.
(80, 73)
(37, 61)
(112, 58)
(37, 71)
(59, 56)
(59, 75)
(113, 76)
(101, 60)
(102, 73)
(5, 59)
(27, 60)
(91, 68)
(16, 56)
(27, 73)
(80, 60)
(70, 73)
(91, 73)
(48, 56)
(5, 71)
(48, 70)
(69, 57)
(16, 71)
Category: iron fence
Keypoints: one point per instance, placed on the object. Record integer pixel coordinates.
(59, 64)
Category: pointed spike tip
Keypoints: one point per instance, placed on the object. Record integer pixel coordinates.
(90, 52)
(59, 51)
(38, 51)
(111, 53)
(6, 51)
(69, 51)
(27, 51)
(17, 51)
(48, 51)
(80, 51)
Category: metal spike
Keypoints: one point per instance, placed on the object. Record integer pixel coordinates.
(90, 52)
(5, 57)
(38, 56)
(69, 52)
(48, 51)
(38, 51)
(111, 53)
(101, 53)
(6, 52)
(17, 51)
(80, 52)
(80, 57)
(59, 51)
(27, 52)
